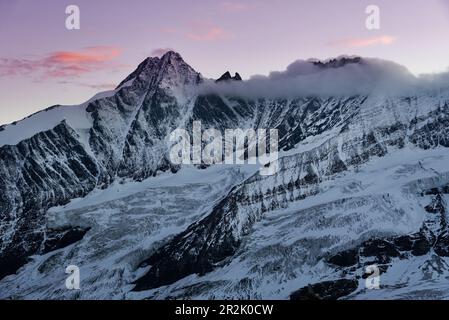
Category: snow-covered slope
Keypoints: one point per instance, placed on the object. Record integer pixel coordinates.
(46, 120)
(92, 185)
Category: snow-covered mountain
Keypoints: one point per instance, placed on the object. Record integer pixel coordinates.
(363, 179)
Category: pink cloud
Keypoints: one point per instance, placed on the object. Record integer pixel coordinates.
(364, 42)
(212, 33)
(62, 64)
(86, 56)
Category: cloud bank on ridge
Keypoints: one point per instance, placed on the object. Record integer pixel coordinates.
(340, 76)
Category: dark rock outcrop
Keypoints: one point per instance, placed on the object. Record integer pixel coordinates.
(227, 77)
(327, 290)
(61, 238)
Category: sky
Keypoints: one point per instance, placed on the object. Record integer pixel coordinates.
(42, 63)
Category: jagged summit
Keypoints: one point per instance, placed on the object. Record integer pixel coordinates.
(171, 66)
(227, 77)
(167, 73)
(337, 62)
(237, 77)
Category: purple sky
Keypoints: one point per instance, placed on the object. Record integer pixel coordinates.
(42, 63)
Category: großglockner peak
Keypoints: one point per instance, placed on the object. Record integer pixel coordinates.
(170, 69)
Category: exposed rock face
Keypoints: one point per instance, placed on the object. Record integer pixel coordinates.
(124, 136)
(218, 236)
(227, 77)
(328, 290)
(382, 252)
(46, 170)
(432, 235)
(338, 62)
(60, 238)
(128, 139)
(125, 140)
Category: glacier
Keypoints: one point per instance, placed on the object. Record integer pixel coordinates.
(363, 178)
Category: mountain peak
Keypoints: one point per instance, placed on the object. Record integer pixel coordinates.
(169, 55)
(227, 77)
(170, 68)
(337, 62)
(237, 77)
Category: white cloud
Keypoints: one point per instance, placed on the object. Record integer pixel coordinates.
(341, 76)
